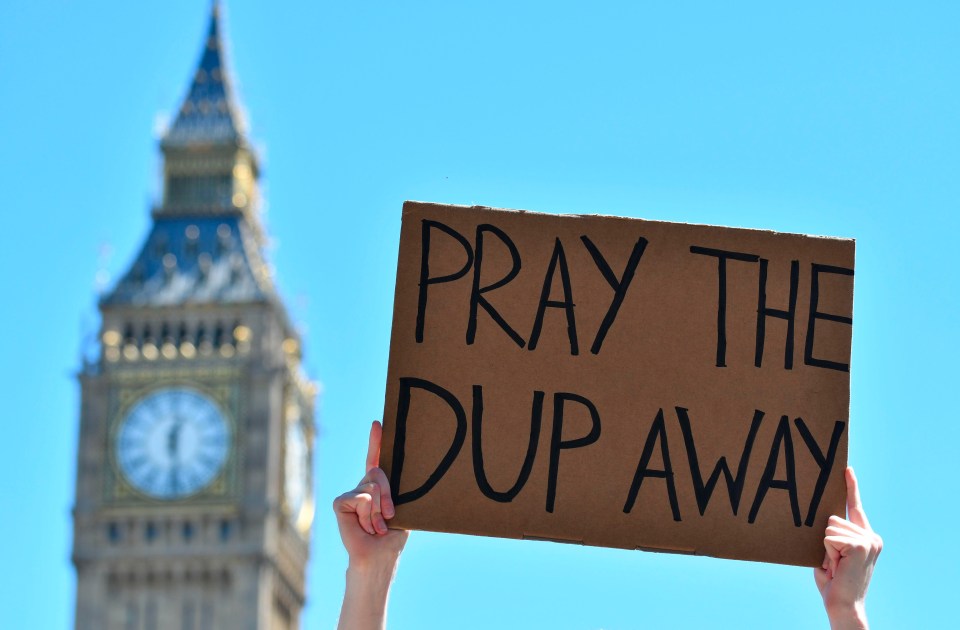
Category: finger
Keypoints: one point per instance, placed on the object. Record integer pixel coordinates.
(356, 504)
(842, 525)
(371, 516)
(376, 509)
(341, 505)
(848, 546)
(365, 503)
(379, 477)
(347, 502)
(373, 446)
(832, 557)
(854, 507)
(821, 577)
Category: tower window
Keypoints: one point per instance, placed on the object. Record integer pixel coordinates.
(206, 615)
(113, 533)
(224, 530)
(204, 262)
(187, 531)
(190, 249)
(150, 531)
(133, 616)
(137, 276)
(202, 190)
(191, 245)
(169, 265)
(150, 616)
(203, 340)
(189, 615)
(160, 245)
(224, 239)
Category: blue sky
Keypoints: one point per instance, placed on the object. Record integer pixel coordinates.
(823, 118)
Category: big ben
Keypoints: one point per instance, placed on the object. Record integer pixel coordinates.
(194, 496)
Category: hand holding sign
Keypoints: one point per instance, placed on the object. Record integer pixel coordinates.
(373, 549)
(537, 391)
(852, 548)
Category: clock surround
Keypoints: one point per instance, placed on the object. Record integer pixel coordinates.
(173, 443)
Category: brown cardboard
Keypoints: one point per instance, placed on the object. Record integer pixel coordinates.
(654, 373)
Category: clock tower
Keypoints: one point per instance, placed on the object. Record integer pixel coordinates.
(194, 496)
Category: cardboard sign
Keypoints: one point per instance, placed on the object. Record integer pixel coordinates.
(618, 382)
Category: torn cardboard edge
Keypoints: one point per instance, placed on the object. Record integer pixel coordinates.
(551, 539)
(482, 208)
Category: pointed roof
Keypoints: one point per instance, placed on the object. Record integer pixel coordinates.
(208, 114)
(195, 260)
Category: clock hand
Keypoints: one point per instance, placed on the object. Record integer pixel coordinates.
(173, 438)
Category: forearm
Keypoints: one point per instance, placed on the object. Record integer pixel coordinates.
(853, 617)
(365, 598)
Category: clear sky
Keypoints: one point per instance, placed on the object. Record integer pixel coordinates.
(821, 117)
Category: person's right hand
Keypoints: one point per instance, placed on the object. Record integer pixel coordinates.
(362, 514)
(852, 548)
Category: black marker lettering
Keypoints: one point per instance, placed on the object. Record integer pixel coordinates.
(400, 438)
(619, 286)
(476, 295)
(722, 257)
(536, 417)
(425, 279)
(557, 260)
(825, 462)
(763, 312)
(658, 432)
(781, 440)
(704, 491)
(557, 443)
(808, 357)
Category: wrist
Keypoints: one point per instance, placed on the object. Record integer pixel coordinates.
(848, 617)
(372, 571)
(366, 595)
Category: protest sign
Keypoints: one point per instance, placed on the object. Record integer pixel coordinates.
(619, 382)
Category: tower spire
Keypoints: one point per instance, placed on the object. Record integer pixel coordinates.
(209, 165)
(205, 246)
(208, 114)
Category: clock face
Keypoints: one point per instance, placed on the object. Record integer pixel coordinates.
(297, 472)
(172, 443)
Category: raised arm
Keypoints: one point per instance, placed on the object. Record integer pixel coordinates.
(373, 549)
(852, 548)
